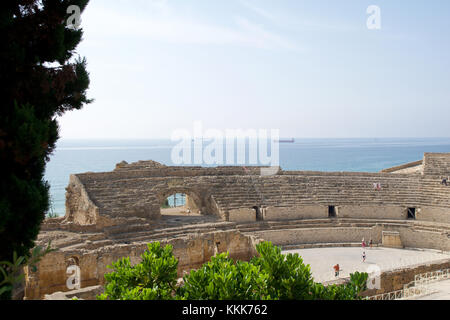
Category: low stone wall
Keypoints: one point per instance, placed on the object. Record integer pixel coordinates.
(297, 212)
(342, 211)
(192, 251)
(89, 293)
(395, 279)
(242, 215)
(436, 214)
(424, 239)
(372, 212)
(409, 237)
(319, 235)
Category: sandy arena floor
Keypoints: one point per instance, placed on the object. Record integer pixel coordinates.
(322, 260)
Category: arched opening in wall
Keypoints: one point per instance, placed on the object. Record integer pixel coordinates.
(258, 212)
(182, 206)
(411, 213)
(177, 203)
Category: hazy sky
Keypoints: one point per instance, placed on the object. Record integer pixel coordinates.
(310, 68)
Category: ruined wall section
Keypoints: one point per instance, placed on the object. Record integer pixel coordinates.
(304, 195)
(407, 168)
(155, 169)
(231, 193)
(308, 195)
(436, 164)
(410, 236)
(191, 251)
(80, 209)
(121, 197)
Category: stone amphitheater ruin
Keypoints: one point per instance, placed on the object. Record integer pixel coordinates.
(115, 214)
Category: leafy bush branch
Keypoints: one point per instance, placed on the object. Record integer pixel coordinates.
(11, 272)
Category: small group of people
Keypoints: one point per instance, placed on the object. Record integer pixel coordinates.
(377, 186)
(364, 244)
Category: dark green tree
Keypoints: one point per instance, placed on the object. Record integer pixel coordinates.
(41, 79)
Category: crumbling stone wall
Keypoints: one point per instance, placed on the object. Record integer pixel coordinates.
(137, 191)
(410, 236)
(396, 279)
(192, 251)
(436, 164)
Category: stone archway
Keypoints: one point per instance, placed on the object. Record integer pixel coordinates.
(193, 202)
(197, 207)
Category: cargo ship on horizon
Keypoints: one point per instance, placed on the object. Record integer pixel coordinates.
(292, 140)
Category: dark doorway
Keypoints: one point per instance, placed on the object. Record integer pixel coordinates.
(259, 216)
(332, 212)
(412, 213)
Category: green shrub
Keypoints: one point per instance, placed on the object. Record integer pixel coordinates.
(11, 272)
(270, 276)
(154, 278)
(224, 279)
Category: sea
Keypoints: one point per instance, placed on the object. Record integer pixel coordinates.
(332, 155)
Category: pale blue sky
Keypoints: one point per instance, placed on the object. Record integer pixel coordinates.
(310, 68)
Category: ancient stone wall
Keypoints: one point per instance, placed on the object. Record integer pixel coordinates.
(79, 207)
(192, 251)
(319, 234)
(231, 193)
(391, 239)
(436, 164)
(411, 167)
(314, 233)
(434, 214)
(394, 280)
(296, 212)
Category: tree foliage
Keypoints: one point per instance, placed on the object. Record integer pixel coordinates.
(154, 278)
(269, 276)
(11, 272)
(41, 79)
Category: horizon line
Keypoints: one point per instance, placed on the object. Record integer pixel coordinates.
(299, 138)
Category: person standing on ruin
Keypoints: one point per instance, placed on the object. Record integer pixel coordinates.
(363, 244)
(370, 243)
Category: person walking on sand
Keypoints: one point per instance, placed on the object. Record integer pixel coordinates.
(336, 270)
(364, 256)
